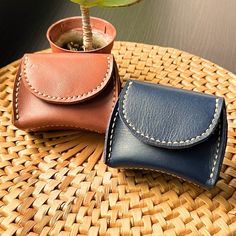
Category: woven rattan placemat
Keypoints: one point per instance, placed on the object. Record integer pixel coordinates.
(56, 184)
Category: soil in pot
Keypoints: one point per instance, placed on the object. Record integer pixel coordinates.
(73, 40)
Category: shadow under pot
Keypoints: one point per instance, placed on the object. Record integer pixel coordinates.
(66, 35)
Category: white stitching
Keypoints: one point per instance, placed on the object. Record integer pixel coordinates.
(139, 168)
(111, 136)
(110, 142)
(114, 91)
(84, 95)
(66, 126)
(214, 160)
(164, 141)
(71, 126)
(17, 97)
(113, 124)
(161, 171)
(217, 153)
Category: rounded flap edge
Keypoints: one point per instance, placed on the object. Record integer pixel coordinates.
(151, 134)
(66, 78)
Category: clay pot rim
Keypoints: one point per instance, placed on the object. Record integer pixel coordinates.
(79, 17)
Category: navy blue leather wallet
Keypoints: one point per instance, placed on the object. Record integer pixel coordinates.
(175, 131)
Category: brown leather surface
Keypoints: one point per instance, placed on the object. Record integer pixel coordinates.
(64, 91)
(66, 78)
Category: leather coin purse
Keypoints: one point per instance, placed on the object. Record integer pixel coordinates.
(65, 91)
(175, 131)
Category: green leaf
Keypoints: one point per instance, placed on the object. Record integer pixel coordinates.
(105, 3)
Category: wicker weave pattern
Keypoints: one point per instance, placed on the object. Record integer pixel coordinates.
(55, 183)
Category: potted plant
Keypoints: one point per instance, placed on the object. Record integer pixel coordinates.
(85, 33)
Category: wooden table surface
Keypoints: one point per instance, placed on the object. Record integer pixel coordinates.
(206, 28)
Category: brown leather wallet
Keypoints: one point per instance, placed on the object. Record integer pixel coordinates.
(65, 91)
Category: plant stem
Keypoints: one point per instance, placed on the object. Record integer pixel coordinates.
(87, 29)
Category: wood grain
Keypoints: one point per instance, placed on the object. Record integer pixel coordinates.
(205, 28)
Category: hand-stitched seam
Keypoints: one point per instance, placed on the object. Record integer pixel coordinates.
(212, 169)
(216, 154)
(67, 126)
(84, 95)
(114, 93)
(111, 136)
(17, 97)
(74, 126)
(149, 137)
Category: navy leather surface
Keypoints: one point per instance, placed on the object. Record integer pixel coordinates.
(171, 130)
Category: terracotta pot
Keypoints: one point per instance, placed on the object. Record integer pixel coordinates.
(104, 29)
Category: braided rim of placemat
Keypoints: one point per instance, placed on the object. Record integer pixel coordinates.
(56, 184)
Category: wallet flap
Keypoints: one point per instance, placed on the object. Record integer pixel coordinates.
(66, 78)
(168, 117)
